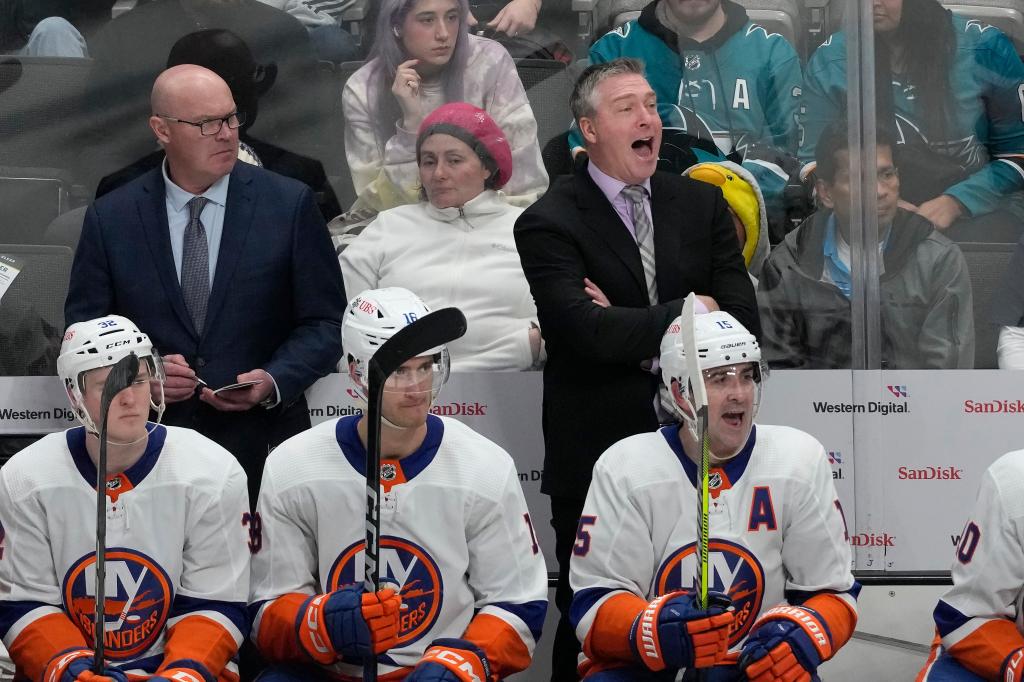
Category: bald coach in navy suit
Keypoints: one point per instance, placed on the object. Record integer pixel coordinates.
(227, 267)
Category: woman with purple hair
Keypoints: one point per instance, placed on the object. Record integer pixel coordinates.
(424, 57)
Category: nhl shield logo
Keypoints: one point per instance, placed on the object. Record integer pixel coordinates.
(734, 570)
(388, 472)
(715, 480)
(138, 599)
(692, 61)
(409, 570)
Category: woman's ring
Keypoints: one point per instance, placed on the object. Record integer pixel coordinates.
(411, 83)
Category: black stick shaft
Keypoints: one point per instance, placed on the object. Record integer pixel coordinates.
(371, 561)
(121, 376)
(101, 550)
(429, 331)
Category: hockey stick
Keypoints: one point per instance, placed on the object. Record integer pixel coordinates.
(122, 375)
(699, 398)
(431, 330)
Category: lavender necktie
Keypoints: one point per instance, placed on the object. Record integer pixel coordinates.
(644, 237)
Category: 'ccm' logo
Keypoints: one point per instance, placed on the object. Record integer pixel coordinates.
(453, 659)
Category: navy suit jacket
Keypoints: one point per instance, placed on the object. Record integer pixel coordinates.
(276, 301)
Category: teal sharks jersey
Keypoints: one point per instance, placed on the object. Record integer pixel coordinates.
(739, 89)
(986, 131)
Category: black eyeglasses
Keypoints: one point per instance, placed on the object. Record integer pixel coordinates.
(211, 126)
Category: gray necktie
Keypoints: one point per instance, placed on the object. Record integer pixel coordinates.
(195, 265)
(644, 237)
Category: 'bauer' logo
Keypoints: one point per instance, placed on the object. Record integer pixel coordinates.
(734, 570)
(138, 598)
(407, 568)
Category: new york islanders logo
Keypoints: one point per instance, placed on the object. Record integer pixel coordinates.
(407, 568)
(138, 598)
(734, 571)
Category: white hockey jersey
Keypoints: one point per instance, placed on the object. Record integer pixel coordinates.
(177, 571)
(457, 543)
(777, 530)
(981, 618)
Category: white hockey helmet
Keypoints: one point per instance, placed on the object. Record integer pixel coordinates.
(721, 341)
(100, 343)
(373, 317)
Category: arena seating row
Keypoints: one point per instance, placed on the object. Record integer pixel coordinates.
(41, 114)
(805, 23)
(43, 282)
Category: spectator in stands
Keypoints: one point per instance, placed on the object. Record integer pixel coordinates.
(229, 57)
(726, 88)
(455, 246)
(951, 88)
(805, 287)
(227, 266)
(322, 19)
(423, 56)
(132, 50)
(515, 17)
(51, 28)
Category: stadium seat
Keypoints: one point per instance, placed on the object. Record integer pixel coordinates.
(66, 229)
(777, 16)
(548, 85)
(986, 264)
(40, 104)
(354, 19)
(1006, 15)
(31, 198)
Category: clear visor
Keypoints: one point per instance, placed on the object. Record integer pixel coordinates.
(746, 376)
(151, 370)
(735, 381)
(420, 375)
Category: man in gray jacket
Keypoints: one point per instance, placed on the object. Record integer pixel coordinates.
(805, 286)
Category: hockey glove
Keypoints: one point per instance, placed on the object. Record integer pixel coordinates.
(76, 665)
(1013, 667)
(452, 660)
(184, 670)
(347, 623)
(673, 633)
(787, 643)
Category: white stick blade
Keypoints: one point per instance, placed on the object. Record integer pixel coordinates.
(688, 336)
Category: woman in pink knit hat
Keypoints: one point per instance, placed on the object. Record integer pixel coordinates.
(455, 247)
(424, 56)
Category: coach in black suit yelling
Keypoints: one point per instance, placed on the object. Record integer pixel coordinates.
(610, 254)
(228, 267)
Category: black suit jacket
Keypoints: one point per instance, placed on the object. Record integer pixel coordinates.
(595, 391)
(276, 301)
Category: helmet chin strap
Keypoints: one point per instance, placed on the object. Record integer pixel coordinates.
(129, 443)
(390, 424)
